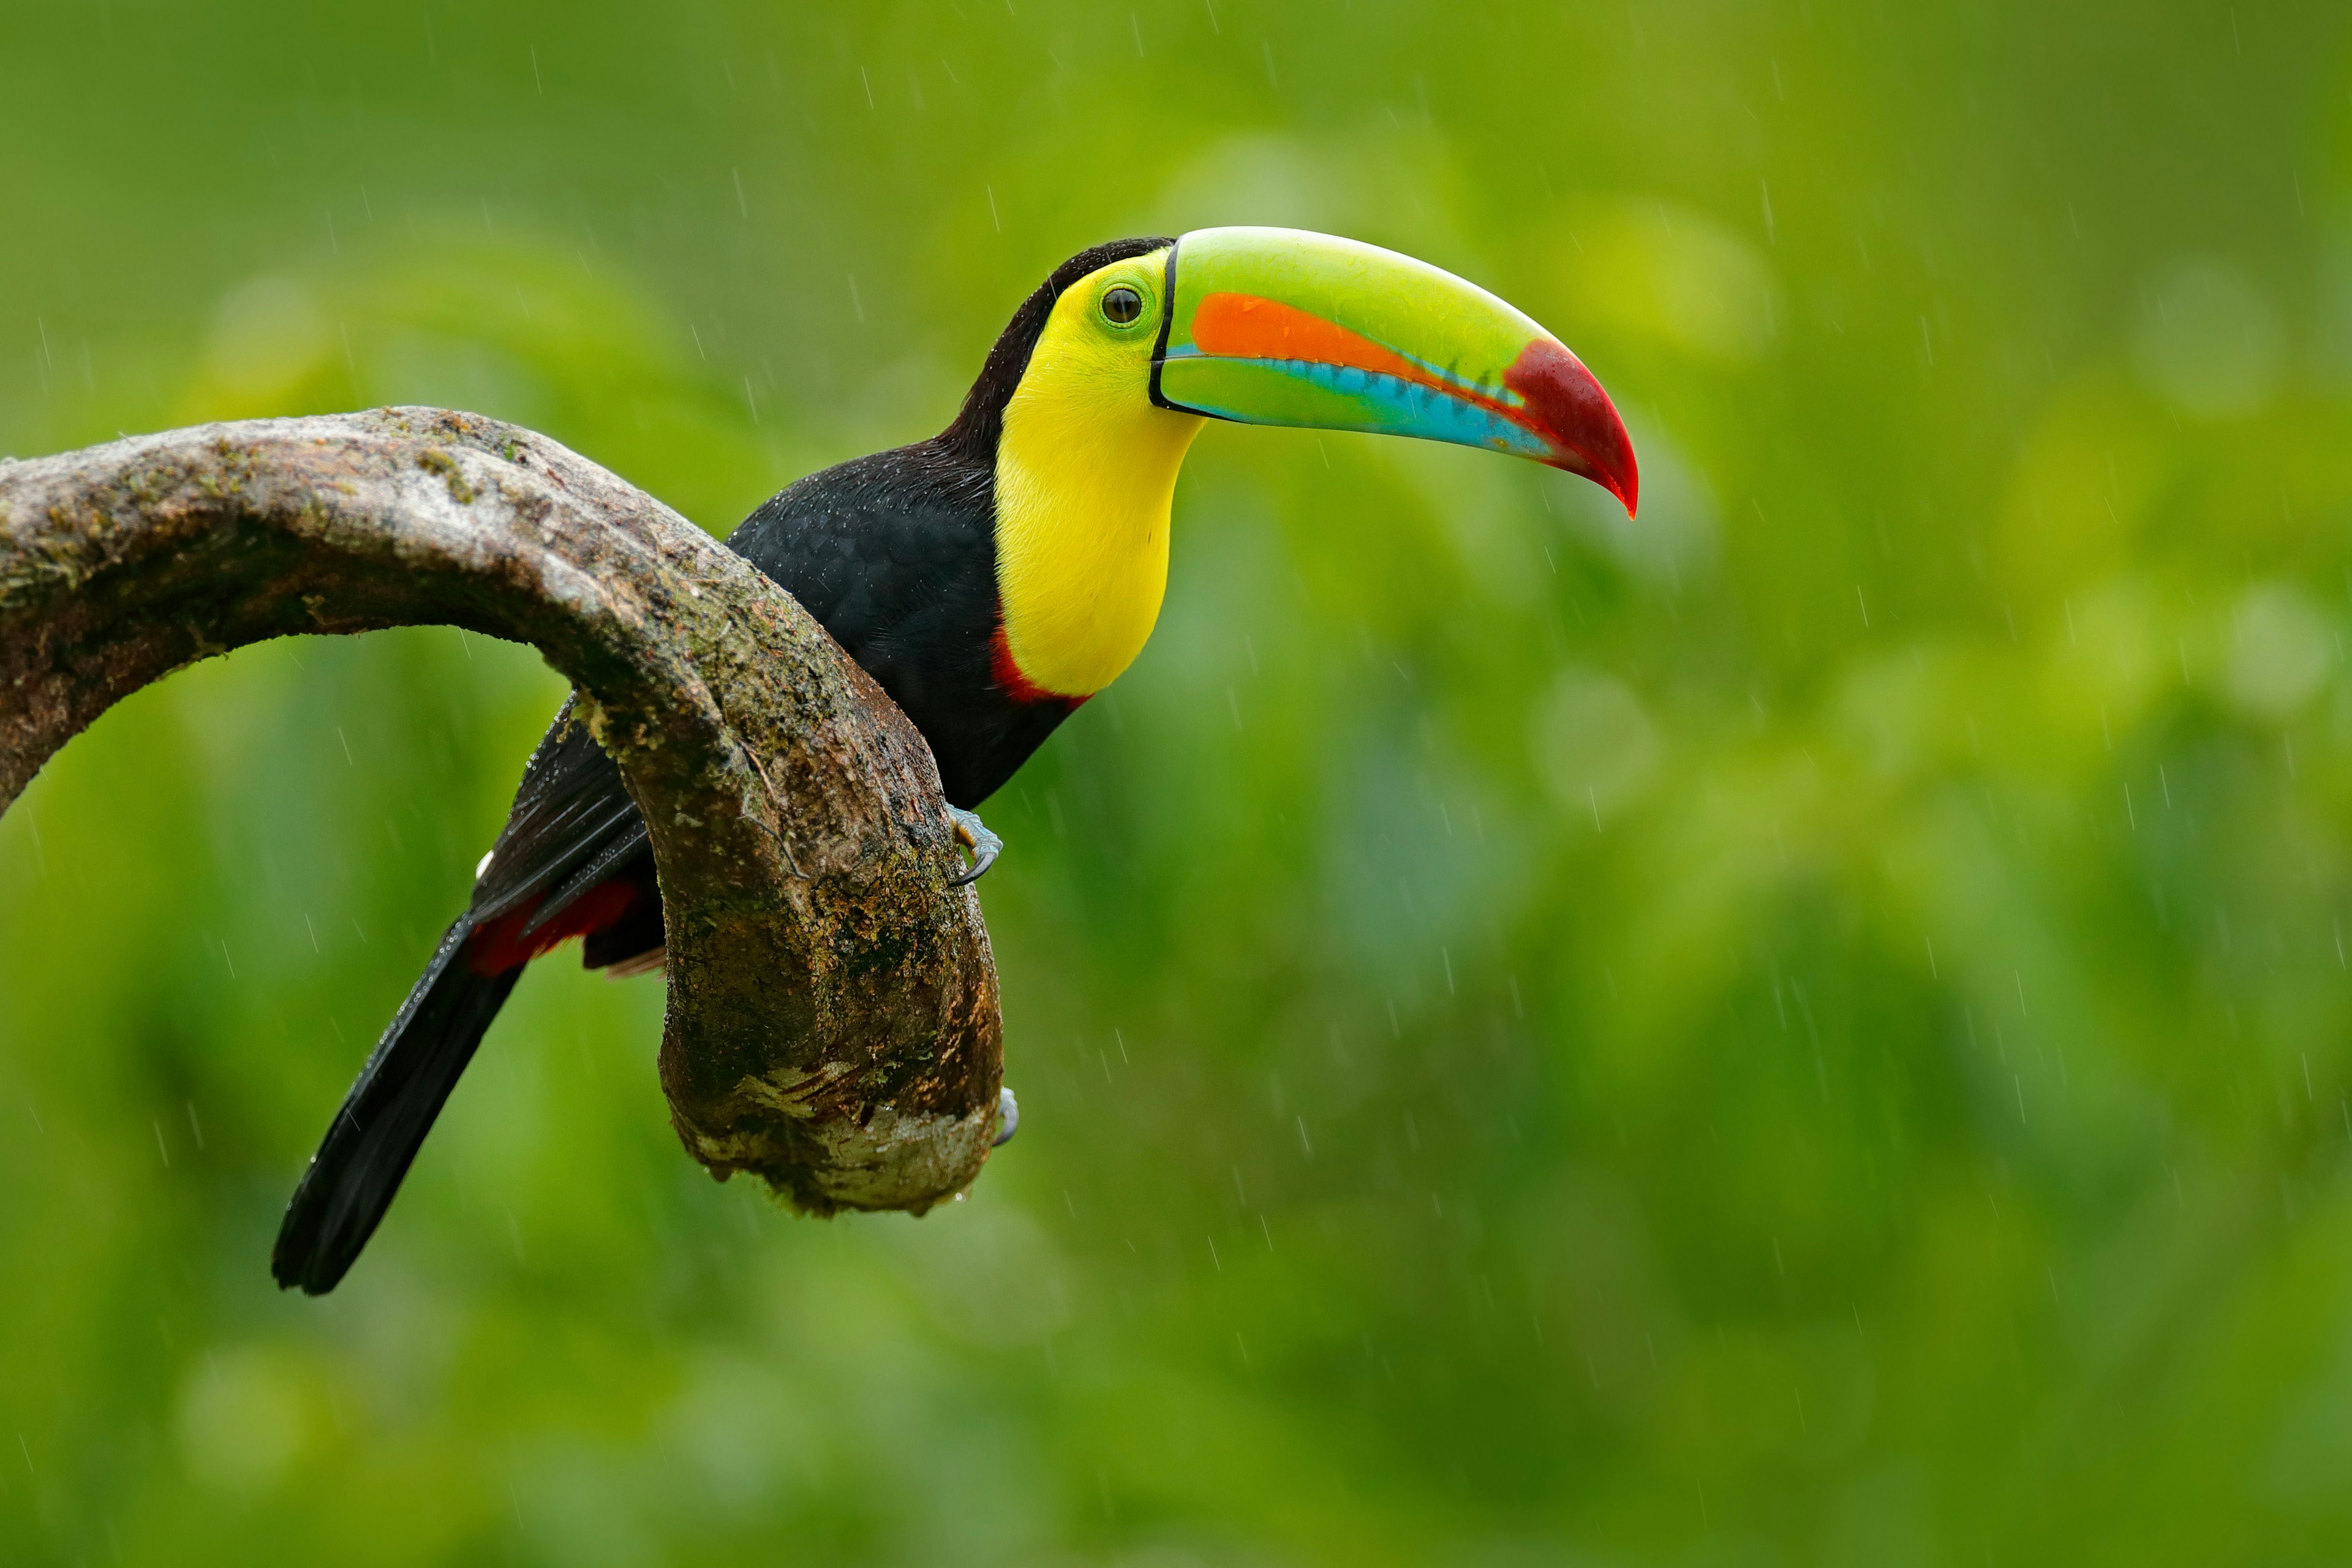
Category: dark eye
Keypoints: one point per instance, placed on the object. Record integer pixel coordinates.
(1122, 305)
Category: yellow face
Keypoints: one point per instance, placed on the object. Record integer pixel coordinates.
(1086, 472)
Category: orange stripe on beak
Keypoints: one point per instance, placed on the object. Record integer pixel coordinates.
(1242, 326)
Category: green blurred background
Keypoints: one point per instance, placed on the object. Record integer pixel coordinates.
(1810, 1029)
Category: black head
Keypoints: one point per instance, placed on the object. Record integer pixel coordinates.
(978, 426)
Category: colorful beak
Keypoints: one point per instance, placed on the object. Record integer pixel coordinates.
(1280, 326)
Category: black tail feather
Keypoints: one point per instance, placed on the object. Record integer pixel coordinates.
(358, 1168)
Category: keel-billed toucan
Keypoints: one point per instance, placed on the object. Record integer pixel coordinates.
(991, 578)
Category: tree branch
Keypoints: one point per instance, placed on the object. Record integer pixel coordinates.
(833, 1023)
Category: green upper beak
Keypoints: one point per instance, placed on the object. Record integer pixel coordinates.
(1280, 326)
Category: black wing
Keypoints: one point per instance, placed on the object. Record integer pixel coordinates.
(573, 822)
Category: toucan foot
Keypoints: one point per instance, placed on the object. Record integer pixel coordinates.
(1008, 1119)
(974, 836)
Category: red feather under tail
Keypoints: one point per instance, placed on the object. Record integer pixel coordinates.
(500, 944)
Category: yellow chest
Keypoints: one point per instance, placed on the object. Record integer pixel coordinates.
(1085, 474)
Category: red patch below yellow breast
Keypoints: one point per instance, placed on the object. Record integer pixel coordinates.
(1006, 672)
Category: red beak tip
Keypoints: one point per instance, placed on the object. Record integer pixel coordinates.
(1565, 403)
(1624, 470)
(1615, 473)
(1627, 486)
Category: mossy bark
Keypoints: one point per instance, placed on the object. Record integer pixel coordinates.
(833, 1023)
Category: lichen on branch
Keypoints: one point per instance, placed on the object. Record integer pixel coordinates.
(833, 1022)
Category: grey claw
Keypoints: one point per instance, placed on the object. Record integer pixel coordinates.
(1008, 1113)
(974, 835)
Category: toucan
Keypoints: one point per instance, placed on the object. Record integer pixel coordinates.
(991, 579)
